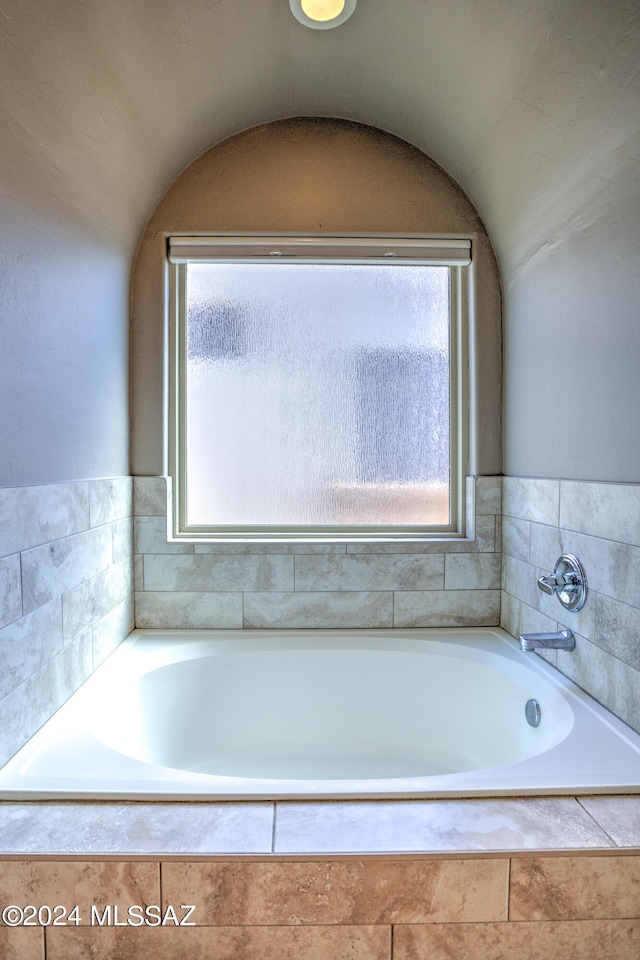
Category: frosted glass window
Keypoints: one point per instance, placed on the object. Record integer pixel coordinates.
(316, 397)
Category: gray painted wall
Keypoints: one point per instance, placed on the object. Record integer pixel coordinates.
(65, 252)
(63, 350)
(572, 341)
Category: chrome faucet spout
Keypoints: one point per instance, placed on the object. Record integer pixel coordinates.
(562, 640)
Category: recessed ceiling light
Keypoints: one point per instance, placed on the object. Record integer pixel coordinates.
(322, 14)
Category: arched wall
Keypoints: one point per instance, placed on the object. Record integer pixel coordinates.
(309, 176)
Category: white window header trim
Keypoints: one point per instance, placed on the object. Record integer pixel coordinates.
(427, 250)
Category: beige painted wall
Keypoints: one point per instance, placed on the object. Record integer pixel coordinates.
(311, 176)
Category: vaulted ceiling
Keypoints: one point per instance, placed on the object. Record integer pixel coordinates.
(524, 102)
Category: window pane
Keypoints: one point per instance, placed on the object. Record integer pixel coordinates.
(317, 394)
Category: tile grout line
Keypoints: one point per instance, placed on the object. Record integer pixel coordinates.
(597, 823)
(273, 828)
(22, 613)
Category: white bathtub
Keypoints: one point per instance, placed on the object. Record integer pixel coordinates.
(330, 714)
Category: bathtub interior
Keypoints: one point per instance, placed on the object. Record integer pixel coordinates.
(324, 714)
(307, 708)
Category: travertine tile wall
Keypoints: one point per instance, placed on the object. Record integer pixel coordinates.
(600, 524)
(66, 571)
(477, 908)
(315, 585)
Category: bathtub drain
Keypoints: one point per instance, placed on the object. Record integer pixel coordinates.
(532, 712)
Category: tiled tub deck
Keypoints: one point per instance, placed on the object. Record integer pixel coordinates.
(378, 880)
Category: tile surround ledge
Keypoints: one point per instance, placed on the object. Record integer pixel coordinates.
(276, 830)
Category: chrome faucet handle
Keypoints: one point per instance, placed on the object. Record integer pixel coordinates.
(548, 584)
(554, 582)
(568, 581)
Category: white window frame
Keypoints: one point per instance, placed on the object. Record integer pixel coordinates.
(454, 252)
